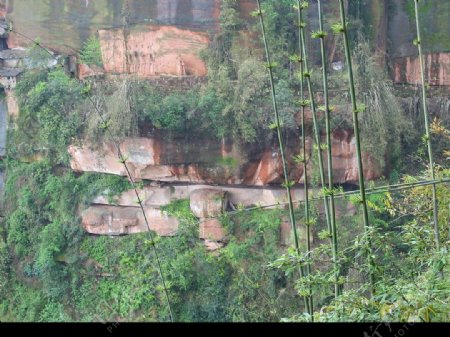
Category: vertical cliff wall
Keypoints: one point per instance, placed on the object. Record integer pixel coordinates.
(153, 50)
(65, 24)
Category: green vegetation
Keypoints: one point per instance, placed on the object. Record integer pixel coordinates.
(355, 111)
(49, 118)
(62, 274)
(333, 226)
(427, 137)
(91, 53)
(408, 269)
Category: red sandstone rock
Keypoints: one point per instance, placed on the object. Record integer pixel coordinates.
(153, 50)
(269, 169)
(11, 101)
(213, 245)
(437, 69)
(155, 158)
(85, 71)
(212, 230)
(207, 203)
(114, 220)
(156, 196)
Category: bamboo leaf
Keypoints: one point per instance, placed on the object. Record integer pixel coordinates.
(318, 34)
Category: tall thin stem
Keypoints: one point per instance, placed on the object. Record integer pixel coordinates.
(329, 153)
(287, 183)
(305, 162)
(358, 142)
(427, 129)
(314, 117)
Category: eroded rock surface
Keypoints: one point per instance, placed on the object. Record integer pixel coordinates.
(116, 220)
(64, 25)
(208, 202)
(437, 69)
(152, 50)
(122, 215)
(211, 162)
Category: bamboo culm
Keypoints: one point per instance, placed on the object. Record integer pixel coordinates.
(427, 129)
(287, 183)
(305, 162)
(329, 152)
(314, 117)
(358, 143)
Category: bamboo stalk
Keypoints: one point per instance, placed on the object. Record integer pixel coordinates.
(358, 143)
(315, 123)
(314, 117)
(305, 163)
(427, 129)
(287, 183)
(329, 153)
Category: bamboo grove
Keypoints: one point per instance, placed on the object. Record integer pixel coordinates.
(328, 191)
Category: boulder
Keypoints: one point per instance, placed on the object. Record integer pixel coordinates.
(206, 203)
(84, 71)
(213, 245)
(212, 230)
(115, 220)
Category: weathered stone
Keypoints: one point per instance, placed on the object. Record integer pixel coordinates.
(114, 220)
(161, 223)
(64, 25)
(213, 245)
(84, 71)
(202, 161)
(212, 229)
(207, 203)
(437, 69)
(109, 220)
(157, 196)
(151, 196)
(13, 105)
(268, 170)
(153, 50)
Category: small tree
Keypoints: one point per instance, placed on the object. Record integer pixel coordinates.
(91, 53)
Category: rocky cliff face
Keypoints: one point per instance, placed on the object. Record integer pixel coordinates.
(64, 25)
(152, 50)
(165, 37)
(207, 203)
(437, 69)
(214, 162)
(402, 30)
